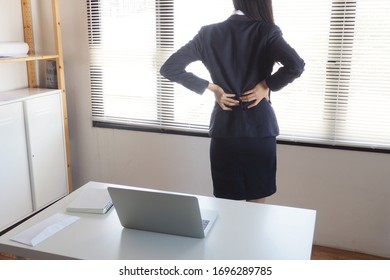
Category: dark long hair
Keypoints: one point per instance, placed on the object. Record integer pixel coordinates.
(260, 10)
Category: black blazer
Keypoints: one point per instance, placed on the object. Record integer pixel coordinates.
(239, 53)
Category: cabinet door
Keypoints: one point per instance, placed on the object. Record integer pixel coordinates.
(46, 142)
(15, 192)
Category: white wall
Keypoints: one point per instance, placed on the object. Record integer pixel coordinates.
(11, 29)
(350, 190)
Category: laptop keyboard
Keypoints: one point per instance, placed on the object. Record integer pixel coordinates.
(205, 223)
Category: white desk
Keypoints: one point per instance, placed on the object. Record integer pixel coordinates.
(242, 231)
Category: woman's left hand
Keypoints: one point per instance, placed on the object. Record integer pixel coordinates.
(258, 93)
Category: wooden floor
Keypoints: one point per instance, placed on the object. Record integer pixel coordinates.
(325, 253)
(318, 253)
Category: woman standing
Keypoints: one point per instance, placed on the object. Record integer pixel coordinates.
(240, 53)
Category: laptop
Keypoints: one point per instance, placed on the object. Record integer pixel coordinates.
(161, 212)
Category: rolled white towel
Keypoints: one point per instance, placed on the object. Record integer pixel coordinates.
(13, 49)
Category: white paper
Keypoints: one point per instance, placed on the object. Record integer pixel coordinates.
(43, 230)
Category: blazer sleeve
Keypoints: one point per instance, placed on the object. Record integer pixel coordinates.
(292, 65)
(174, 69)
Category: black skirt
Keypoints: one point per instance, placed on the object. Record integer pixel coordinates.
(243, 168)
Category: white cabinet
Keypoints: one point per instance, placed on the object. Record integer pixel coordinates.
(33, 153)
(46, 145)
(15, 191)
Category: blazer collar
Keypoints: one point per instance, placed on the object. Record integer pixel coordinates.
(238, 12)
(239, 17)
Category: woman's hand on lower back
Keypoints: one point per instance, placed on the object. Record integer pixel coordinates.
(225, 100)
(258, 93)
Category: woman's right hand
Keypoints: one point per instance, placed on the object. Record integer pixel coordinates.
(225, 100)
(255, 95)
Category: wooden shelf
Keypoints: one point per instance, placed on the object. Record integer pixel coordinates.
(32, 59)
(28, 58)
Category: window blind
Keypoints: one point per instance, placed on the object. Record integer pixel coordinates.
(343, 95)
(129, 41)
(341, 99)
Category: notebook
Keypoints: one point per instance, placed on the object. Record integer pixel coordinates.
(162, 212)
(91, 200)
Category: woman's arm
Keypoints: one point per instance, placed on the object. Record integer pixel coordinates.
(292, 65)
(174, 69)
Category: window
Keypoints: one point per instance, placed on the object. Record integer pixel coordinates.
(129, 41)
(342, 98)
(343, 95)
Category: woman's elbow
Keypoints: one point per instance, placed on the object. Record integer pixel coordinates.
(299, 68)
(164, 71)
